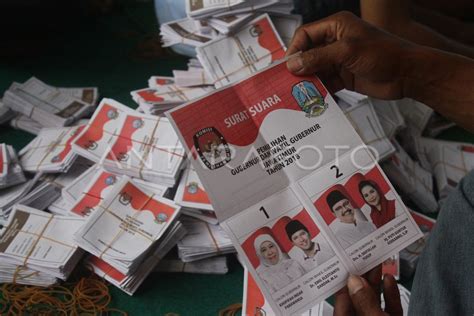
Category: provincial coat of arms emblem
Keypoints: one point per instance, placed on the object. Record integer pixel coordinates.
(310, 100)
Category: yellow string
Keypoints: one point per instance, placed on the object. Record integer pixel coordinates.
(230, 310)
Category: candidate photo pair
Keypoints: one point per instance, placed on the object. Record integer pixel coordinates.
(294, 245)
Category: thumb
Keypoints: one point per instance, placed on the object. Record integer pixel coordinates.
(363, 297)
(316, 59)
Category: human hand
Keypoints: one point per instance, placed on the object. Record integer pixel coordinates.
(361, 297)
(347, 52)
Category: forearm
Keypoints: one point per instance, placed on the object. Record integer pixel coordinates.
(423, 35)
(441, 80)
(447, 25)
(395, 17)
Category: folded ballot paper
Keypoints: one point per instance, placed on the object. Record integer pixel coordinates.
(448, 161)
(45, 104)
(38, 241)
(286, 26)
(190, 193)
(422, 119)
(163, 94)
(50, 151)
(413, 181)
(213, 265)
(127, 142)
(389, 116)
(186, 31)
(360, 112)
(89, 95)
(26, 124)
(6, 114)
(255, 46)
(85, 193)
(205, 8)
(293, 185)
(192, 77)
(130, 283)
(193, 199)
(254, 302)
(203, 240)
(10, 196)
(11, 172)
(125, 225)
(229, 23)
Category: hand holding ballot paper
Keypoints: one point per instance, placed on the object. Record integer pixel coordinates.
(283, 168)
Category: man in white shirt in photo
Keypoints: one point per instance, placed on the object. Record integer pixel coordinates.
(347, 229)
(313, 253)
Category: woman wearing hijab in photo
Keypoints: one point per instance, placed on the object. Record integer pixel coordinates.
(382, 210)
(276, 269)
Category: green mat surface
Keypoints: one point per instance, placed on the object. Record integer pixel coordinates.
(113, 52)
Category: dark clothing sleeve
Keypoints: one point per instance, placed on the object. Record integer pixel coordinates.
(444, 278)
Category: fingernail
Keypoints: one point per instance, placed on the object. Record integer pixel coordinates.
(295, 64)
(355, 284)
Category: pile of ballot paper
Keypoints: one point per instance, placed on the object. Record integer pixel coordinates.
(203, 240)
(212, 265)
(127, 142)
(11, 172)
(163, 94)
(128, 231)
(37, 247)
(47, 105)
(130, 282)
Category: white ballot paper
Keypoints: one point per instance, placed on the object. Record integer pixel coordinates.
(229, 23)
(125, 224)
(94, 185)
(51, 150)
(40, 241)
(191, 193)
(292, 183)
(6, 114)
(11, 172)
(130, 283)
(389, 116)
(203, 241)
(26, 124)
(414, 181)
(286, 26)
(163, 94)
(205, 8)
(449, 161)
(360, 112)
(127, 142)
(89, 95)
(185, 31)
(213, 265)
(422, 118)
(252, 48)
(254, 303)
(45, 104)
(192, 77)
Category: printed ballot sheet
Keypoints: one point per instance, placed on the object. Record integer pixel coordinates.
(131, 143)
(126, 223)
(254, 302)
(191, 193)
(301, 197)
(252, 48)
